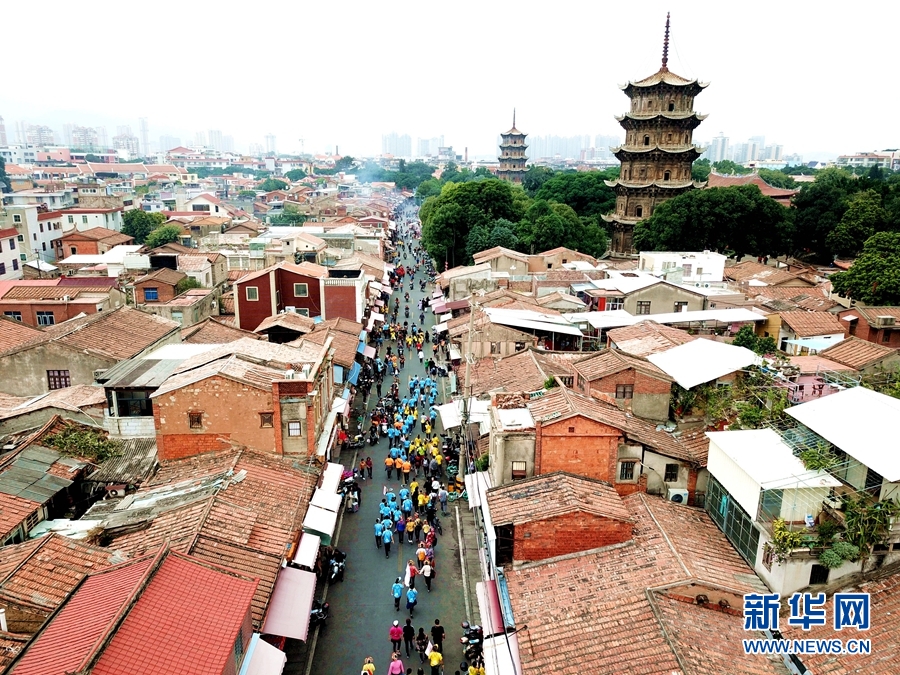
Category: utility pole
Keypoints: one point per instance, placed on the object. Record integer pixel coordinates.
(464, 455)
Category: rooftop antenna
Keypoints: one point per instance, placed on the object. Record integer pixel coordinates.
(665, 59)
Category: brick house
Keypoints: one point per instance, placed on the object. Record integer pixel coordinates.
(158, 286)
(880, 325)
(273, 398)
(862, 355)
(95, 241)
(566, 431)
(38, 304)
(635, 383)
(555, 514)
(311, 290)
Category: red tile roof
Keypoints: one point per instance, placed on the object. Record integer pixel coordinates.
(193, 631)
(67, 643)
(14, 333)
(13, 511)
(647, 337)
(163, 275)
(779, 194)
(611, 361)
(98, 234)
(857, 354)
(811, 324)
(750, 270)
(213, 331)
(553, 494)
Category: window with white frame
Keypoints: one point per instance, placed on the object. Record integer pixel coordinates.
(252, 293)
(301, 290)
(294, 429)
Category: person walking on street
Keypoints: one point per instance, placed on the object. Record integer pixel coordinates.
(435, 660)
(397, 592)
(409, 637)
(369, 464)
(387, 537)
(395, 667)
(379, 530)
(412, 599)
(443, 495)
(421, 644)
(396, 635)
(437, 635)
(368, 666)
(426, 572)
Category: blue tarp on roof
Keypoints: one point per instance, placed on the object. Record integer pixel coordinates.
(346, 394)
(354, 374)
(361, 348)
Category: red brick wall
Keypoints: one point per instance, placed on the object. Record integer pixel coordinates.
(82, 246)
(230, 411)
(864, 331)
(568, 533)
(284, 282)
(166, 291)
(578, 445)
(252, 312)
(62, 311)
(643, 383)
(340, 301)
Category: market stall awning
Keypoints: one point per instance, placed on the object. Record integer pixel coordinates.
(379, 302)
(331, 477)
(371, 324)
(321, 522)
(369, 352)
(308, 550)
(290, 604)
(262, 658)
(455, 355)
(378, 316)
(441, 327)
(501, 655)
(439, 308)
(326, 439)
(354, 374)
(330, 501)
(338, 374)
(489, 608)
(340, 406)
(437, 294)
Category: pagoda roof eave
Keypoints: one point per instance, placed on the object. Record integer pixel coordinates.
(513, 132)
(613, 218)
(645, 149)
(665, 185)
(663, 76)
(661, 113)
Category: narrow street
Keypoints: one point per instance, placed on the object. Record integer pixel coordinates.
(362, 608)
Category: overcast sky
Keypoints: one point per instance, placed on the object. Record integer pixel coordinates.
(806, 75)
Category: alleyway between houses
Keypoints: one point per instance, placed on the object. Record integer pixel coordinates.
(362, 608)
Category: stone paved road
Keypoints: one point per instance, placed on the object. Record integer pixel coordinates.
(362, 607)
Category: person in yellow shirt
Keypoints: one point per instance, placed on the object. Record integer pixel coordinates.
(435, 660)
(439, 459)
(427, 428)
(413, 486)
(369, 666)
(423, 499)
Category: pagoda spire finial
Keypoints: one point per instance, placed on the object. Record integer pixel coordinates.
(665, 59)
(514, 118)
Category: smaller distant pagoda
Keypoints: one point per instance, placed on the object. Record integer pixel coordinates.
(512, 155)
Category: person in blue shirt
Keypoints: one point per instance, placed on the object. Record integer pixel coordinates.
(407, 507)
(433, 414)
(387, 537)
(406, 444)
(397, 592)
(390, 496)
(412, 599)
(398, 515)
(384, 509)
(404, 493)
(379, 530)
(395, 452)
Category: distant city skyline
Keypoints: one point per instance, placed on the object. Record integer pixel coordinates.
(816, 104)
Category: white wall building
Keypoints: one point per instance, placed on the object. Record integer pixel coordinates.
(705, 267)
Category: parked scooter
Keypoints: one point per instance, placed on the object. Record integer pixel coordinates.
(318, 615)
(357, 442)
(473, 641)
(336, 572)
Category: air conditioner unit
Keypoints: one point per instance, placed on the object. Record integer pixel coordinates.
(67, 298)
(678, 495)
(115, 491)
(292, 310)
(884, 321)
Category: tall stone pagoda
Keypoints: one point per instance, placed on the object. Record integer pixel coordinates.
(512, 155)
(658, 153)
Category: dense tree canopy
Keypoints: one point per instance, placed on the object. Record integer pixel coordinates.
(4, 178)
(875, 276)
(165, 234)
(777, 179)
(864, 217)
(295, 174)
(700, 170)
(734, 219)
(290, 215)
(584, 191)
(139, 224)
(270, 184)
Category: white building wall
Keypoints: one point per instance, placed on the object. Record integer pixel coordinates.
(743, 489)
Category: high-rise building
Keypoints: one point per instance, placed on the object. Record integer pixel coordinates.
(564, 147)
(658, 152)
(126, 142)
(718, 149)
(145, 136)
(215, 139)
(3, 133)
(38, 134)
(512, 155)
(83, 138)
(271, 149)
(167, 143)
(428, 147)
(396, 145)
(102, 138)
(227, 143)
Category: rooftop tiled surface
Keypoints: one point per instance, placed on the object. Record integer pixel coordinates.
(14, 333)
(344, 344)
(810, 324)
(10, 643)
(193, 630)
(856, 353)
(84, 621)
(553, 494)
(647, 337)
(213, 331)
(118, 334)
(885, 613)
(192, 263)
(519, 372)
(871, 313)
(289, 320)
(163, 275)
(752, 270)
(14, 510)
(591, 610)
(613, 361)
(341, 324)
(52, 292)
(103, 234)
(42, 572)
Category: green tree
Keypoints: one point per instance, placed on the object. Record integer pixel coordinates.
(186, 284)
(139, 224)
(4, 177)
(585, 191)
(745, 337)
(164, 234)
(290, 215)
(818, 208)
(875, 276)
(863, 218)
(777, 179)
(428, 188)
(344, 163)
(739, 219)
(799, 170)
(270, 184)
(503, 234)
(535, 178)
(295, 174)
(700, 170)
(726, 167)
